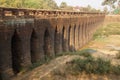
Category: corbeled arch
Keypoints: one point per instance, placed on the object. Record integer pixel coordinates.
(16, 52)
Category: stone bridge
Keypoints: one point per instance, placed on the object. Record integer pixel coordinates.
(28, 36)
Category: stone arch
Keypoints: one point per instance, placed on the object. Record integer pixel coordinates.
(75, 33)
(63, 39)
(79, 34)
(69, 29)
(83, 35)
(87, 31)
(56, 41)
(47, 44)
(71, 38)
(35, 47)
(16, 56)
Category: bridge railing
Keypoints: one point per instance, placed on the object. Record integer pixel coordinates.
(15, 12)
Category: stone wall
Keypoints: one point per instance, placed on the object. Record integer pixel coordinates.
(112, 18)
(28, 36)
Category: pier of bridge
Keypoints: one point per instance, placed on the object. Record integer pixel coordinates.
(28, 36)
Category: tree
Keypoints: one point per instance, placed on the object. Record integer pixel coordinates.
(69, 8)
(37, 4)
(111, 4)
(63, 5)
(49, 4)
(89, 8)
(108, 2)
(105, 10)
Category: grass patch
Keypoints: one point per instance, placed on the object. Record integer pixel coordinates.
(91, 65)
(60, 73)
(39, 63)
(106, 30)
(118, 55)
(34, 65)
(84, 52)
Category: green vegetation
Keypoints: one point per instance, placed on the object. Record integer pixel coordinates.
(106, 30)
(34, 65)
(118, 55)
(91, 65)
(84, 52)
(39, 63)
(43, 4)
(113, 4)
(88, 65)
(37, 4)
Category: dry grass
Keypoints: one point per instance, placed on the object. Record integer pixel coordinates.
(108, 29)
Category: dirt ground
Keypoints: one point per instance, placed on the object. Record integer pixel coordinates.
(105, 47)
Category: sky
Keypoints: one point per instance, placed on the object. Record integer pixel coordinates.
(93, 3)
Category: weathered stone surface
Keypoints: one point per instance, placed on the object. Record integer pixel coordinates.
(28, 39)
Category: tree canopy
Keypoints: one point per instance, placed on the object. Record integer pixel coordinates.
(63, 5)
(108, 2)
(43, 4)
(37, 4)
(114, 5)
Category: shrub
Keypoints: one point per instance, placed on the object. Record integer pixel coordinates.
(118, 55)
(106, 30)
(84, 52)
(90, 65)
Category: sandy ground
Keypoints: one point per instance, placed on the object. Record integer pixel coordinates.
(107, 47)
(104, 47)
(44, 70)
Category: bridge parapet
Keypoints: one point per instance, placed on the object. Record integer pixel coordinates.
(30, 13)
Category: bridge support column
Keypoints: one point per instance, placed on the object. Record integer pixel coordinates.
(87, 32)
(48, 44)
(72, 38)
(21, 57)
(25, 53)
(90, 30)
(5, 53)
(20, 43)
(86, 37)
(83, 34)
(80, 37)
(57, 41)
(36, 55)
(77, 38)
(65, 39)
(5, 58)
